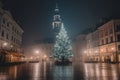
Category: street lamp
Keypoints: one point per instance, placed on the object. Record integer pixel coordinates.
(45, 56)
(37, 55)
(112, 48)
(11, 46)
(96, 51)
(4, 45)
(85, 52)
(102, 50)
(31, 58)
(86, 55)
(36, 51)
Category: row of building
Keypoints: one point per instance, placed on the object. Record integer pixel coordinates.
(41, 50)
(10, 38)
(101, 45)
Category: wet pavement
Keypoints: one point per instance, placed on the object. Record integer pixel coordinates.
(49, 71)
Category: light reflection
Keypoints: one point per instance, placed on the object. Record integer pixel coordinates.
(45, 71)
(86, 71)
(62, 73)
(36, 70)
(101, 71)
(13, 72)
(104, 74)
(15, 75)
(114, 72)
(97, 71)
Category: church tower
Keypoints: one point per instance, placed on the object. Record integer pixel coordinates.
(57, 22)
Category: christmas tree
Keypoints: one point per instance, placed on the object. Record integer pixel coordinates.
(62, 48)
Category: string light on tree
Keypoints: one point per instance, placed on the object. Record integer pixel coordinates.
(62, 47)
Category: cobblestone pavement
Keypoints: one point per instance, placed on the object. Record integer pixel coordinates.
(49, 71)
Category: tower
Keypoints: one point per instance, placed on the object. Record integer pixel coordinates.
(57, 21)
(62, 46)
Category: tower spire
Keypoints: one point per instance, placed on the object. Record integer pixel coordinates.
(56, 8)
(57, 22)
(56, 5)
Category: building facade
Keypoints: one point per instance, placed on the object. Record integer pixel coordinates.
(89, 50)
(109, 41)
(10, 37)
(95, 42)
(57, 21)
(103, 44)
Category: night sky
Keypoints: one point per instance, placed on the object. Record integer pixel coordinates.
(35, 16)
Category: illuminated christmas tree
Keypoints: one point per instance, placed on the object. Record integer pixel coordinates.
(62, 48)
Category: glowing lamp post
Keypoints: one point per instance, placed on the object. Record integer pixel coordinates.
(4, 45)
(102, 50)
(31, 58)
(112, 49)
(86, 55)
(96, 51)
(37, 52)
(45, 56)
(85, 52)
(11, 46)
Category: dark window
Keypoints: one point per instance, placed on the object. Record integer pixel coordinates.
(106, 40)
(56, 25)
(102, 34)
(118, 47)
(12, 27)
(102, 41)
(111, 31)
(7, 36)
(7, 24)
(57, 17)
(118, 38)
(106, 33)
(118, 28)
(111, 39)
(3, 21)
(2, 34)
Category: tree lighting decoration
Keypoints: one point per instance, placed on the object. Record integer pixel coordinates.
(62, 47)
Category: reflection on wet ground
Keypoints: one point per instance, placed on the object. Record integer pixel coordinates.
(49, 71)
